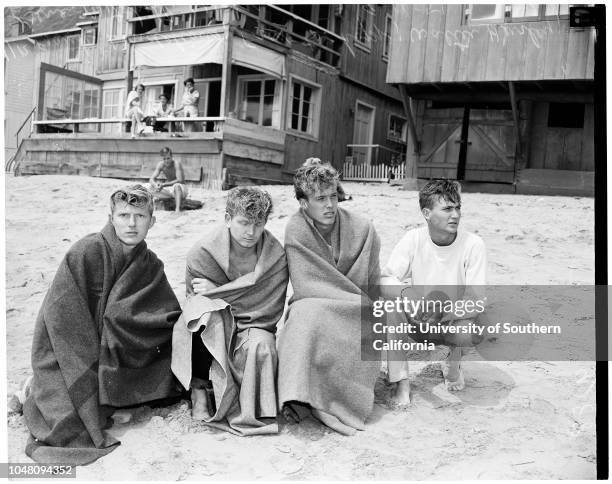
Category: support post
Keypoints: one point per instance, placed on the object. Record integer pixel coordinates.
(410, 182)
(226, 69)
(518, 159)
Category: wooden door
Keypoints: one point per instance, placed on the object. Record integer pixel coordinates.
(363, 133)
(489, 139)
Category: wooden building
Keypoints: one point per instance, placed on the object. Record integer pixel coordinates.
(277, 84)
(496, 94)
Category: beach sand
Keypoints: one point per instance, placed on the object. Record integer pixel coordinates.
(515, 420)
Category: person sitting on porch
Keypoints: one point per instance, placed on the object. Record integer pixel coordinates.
(224, 347)
(175, 179)
(189, 104)
(162, 111)
(136, 117)
(333, 258)
(102, 339)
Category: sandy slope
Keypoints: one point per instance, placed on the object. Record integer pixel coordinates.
(516, 420)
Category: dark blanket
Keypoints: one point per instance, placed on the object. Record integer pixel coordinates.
(319, 349)
(102, 340)
(240, 316)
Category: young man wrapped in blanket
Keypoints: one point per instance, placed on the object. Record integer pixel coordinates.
(102, 337)
(333, 258)
(224, 345)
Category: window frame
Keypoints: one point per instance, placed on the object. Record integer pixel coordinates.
(404, 136)
(386, 50)
(70, 38)
(507, 15)
(120, 19)
(317, 96)
(367, 45)
(84, 35)
(276, 104)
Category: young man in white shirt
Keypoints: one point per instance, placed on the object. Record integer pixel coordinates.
(438, 256)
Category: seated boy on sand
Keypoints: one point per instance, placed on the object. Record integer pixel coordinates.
(333, 257)
(102, 337)
(175, 179)
(438, 255)
(224, 346)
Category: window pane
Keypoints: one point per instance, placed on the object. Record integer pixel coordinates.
(294, 121)
(518, 10)
(485, 11)
(564, 9)
(269, 88)
(253, 88)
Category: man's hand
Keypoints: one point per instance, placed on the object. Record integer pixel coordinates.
(201, 285)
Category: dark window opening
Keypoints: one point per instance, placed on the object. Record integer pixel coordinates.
(144, 26)
(565, 115)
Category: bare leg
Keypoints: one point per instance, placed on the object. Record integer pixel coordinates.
(199, 404)
(333, 423)
(451, 369)
(401, 393)
(178, 197)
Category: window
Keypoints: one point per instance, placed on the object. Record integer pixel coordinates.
(387, 39)
(397, 128)
(73, 47)
(497, 13)
(112, 107)
(117, 23)
(565, 115)
(363, 29)
(304, 106)
(89, 35)
(259, 101)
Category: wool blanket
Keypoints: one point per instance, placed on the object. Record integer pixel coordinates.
(240, 318)
(319, 347)
(102, 339)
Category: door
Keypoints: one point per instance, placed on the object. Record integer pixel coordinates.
(363, 133)
(467, 143)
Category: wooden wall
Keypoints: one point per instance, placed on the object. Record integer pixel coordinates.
(121, 158)
(430, 43)
(366, 67)
(19, 74)
(111, 53)
(336, 122)
(561, 148)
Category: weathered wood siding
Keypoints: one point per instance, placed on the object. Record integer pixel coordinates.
(122, 158)
(111, 53)
(366, 65)
(19, 75)
(431, 43)
(337, 118)
(561, 148)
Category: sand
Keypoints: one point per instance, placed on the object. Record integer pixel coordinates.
(515, 420)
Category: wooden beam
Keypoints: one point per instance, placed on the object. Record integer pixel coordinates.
(410, 116)
(226, 68)
(515, 116)
(465, 97)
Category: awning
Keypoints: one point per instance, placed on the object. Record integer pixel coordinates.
(181, 51)
(206, 49)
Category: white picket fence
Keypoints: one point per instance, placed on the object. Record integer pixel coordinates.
(366, 172)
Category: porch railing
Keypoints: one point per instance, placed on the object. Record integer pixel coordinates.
(269, 22)
(63, 125)
(373, 163)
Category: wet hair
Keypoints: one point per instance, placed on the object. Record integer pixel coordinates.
(189, 79)
(165, 151)
(434, 190)
(313, 175)
(135, 195)
(251, 202)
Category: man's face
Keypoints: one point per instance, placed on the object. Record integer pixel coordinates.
(140, 90)
(189, 86)
(131, 223)
(163, 101)
(444, 216)
(243, 231)
(167, 159)
(322, 205)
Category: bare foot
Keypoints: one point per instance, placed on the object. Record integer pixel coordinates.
(333, 423)
(199, 404)
(401, 394)
(451, 369)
